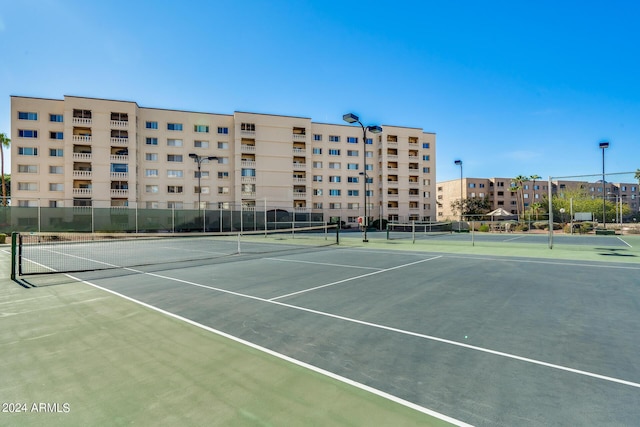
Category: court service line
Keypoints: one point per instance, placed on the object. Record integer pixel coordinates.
(323, 263)
(514, 238)
(620, 238)
(286, 358)
(531, 261)
(352, 278)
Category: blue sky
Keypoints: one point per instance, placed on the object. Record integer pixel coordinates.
(509, 87)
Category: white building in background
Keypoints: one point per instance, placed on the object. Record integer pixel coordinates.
(80, 151)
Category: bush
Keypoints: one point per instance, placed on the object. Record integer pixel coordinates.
(3, 238)
(484, 228)
(522, 227)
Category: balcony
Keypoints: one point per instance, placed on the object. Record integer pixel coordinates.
(81, 138)
(119, 124)
(248, 194)
(393, 157)
(299, 137)
(82, 191)
(248, 132)
(248, 163)
(299, 180)
(119, 175)
(120, 141)
(248, 179)
(82, 174)
(299, 151)
(301, 194)
(81, 156)
(246, 148)
(301, 209)
(299, 166)
(119, 192)
(81, 121)
(413, 157)
(119, 158)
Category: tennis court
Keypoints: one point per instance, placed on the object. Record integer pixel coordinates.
(480, 338)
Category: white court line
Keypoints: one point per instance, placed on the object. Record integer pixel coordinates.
(286, 358)
(532, 261)
(352, 278)
(400, 331)
(323, 263)
(514, 238)
(620, 238)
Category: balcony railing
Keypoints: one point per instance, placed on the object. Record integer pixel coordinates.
(301, 209)
(248, 179)
(81, 156)
(120, 141)
(119, 158)
(248, 194)
(81, 174)
(248, 163)
(119, 192)
(246, 148)
(82, 191)
(248, 132)
(299, 151)
(299, 137)
(392, 157)
(299, 166)
(299, 180)
(81, 138)
(119, 175)
(80, 121)
(119, 124)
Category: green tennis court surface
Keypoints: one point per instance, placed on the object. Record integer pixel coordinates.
(487, 335)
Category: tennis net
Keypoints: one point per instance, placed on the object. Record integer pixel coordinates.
(417, 230)
(45, 253)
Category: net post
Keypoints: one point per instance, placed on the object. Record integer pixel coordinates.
(14, 241)
(413, 231)
(473, 229)
(337, 234)
(388, 231)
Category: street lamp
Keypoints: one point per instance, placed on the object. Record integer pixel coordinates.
(603, 145)
(199, 160)
(459, 163)
(352, 118)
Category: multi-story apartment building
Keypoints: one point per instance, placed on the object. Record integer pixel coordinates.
(79, 151)
(498, 190)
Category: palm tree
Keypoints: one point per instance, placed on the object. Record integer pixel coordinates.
(534, 178)
(4, 143)
(638, 175)
(518, 187)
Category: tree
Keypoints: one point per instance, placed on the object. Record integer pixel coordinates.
(471, 206)
(638, 175)
(4, 143)
(536, 208)
(517, 186)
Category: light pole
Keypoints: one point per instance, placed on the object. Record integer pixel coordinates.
(199, 160)
(603, 145)
(352, 118)
(459, 163)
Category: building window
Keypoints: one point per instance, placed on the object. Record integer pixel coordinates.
(173, 173)
(334, 192)
(202, 144)
(201, 128)
(58, 118)
(335, 206)
(55, 170)
(223, 175)
(317, 150)
(27, 133)
(352, 140)
(425, 157)
(151, 125)
(368, 167)
(56, 187)
(369, 141)
(223, 190)
(175, 205)
(334, 152)
(352, 166)
(317, 165)
(223, 130)
(334, 165)
(247, 172)
(426, 170)
(174, 126)
(353, 205)
(28, 168)
(353, 193)
(334, 138)
(317, 137)
(55, 152)
(151, 189)
(152, 141)
(223, 160)
(174, 189)
(119, 167)
(317, 205)
(203, 174)
(56, 135)
(317, 191)
(25, 115)
(151, 172)
(174, 158)
(249, 127)
(352, 153)
(472, 185)
(152, 157)
(369, 193)
(223, 145)
(317, 178)
(425, 145)
(81, 114)
(27, 186)
(334, 179)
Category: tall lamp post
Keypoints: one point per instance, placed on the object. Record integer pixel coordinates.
(459, 163)
(603, 145)
(199, 160)
(352, 118)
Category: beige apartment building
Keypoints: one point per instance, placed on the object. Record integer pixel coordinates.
(82, 152)
(500, 196)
